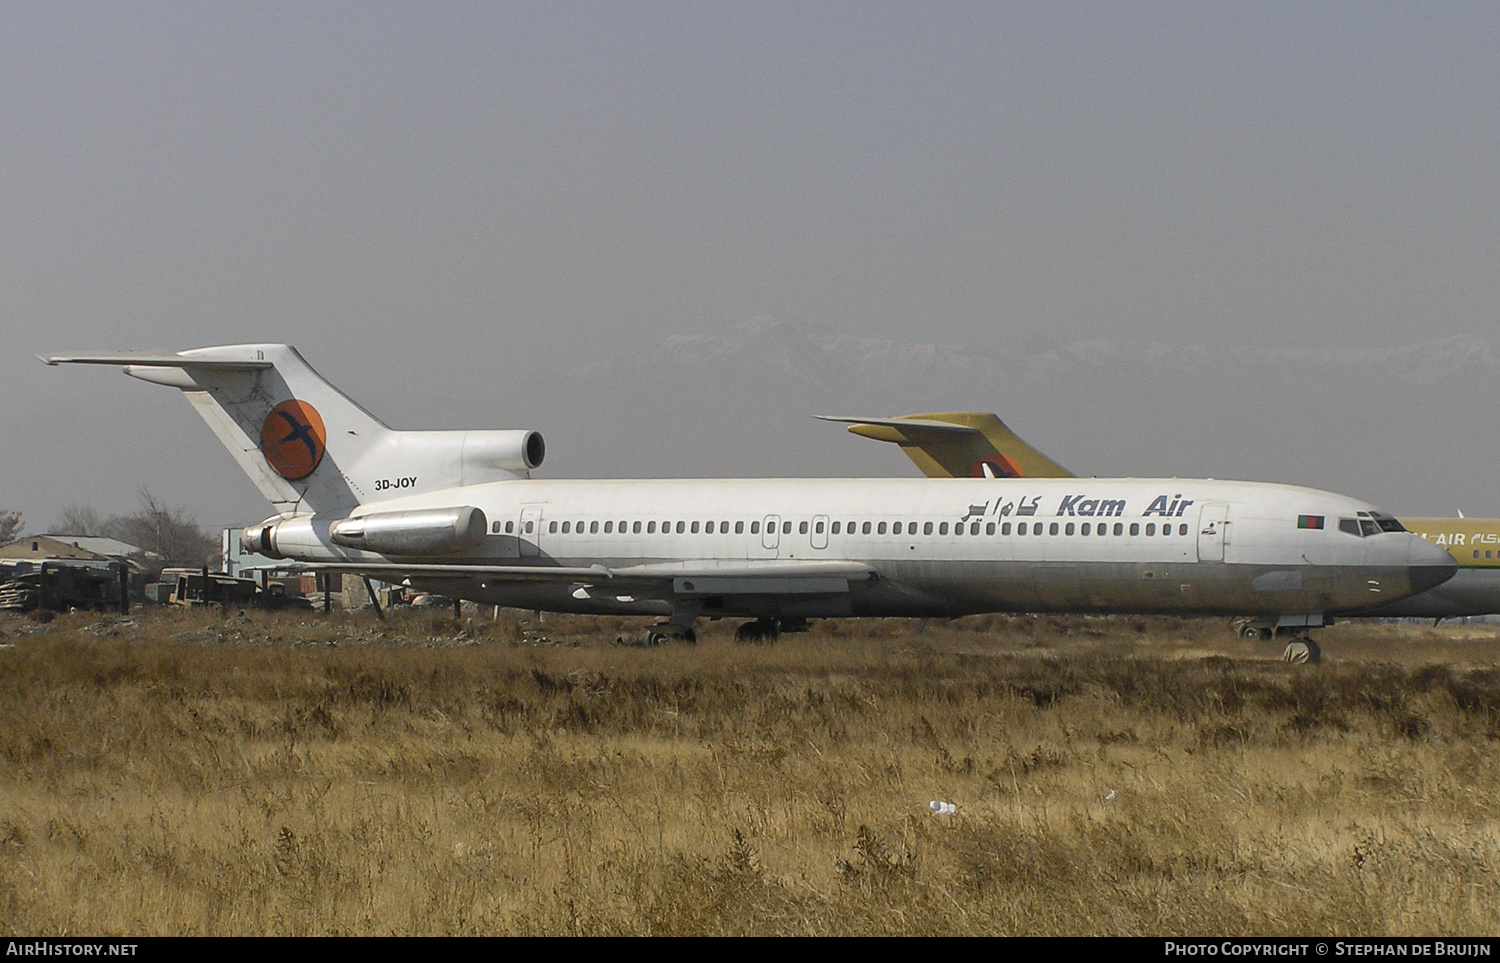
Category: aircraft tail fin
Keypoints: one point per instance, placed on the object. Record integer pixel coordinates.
(958, 444)
(306, 445)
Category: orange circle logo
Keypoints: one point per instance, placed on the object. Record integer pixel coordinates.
(293, 440)
(1000, 466)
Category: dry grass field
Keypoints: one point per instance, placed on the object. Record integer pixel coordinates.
(185, 773)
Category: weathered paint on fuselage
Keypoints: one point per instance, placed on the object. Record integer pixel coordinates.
(1265, 565)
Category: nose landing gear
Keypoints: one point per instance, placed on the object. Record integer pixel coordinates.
(1302, 651)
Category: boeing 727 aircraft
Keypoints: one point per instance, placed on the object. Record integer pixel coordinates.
(458, 513)
(955, 444)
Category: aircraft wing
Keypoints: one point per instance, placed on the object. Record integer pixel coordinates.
(493, 573)
(664, 580)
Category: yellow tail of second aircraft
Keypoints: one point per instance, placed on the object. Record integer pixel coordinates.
(973, 444)
(958, 444)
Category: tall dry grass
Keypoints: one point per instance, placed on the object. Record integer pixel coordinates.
(188, 773)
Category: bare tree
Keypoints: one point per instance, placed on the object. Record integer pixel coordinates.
(10, 527)
(80, 520)
(170, 533)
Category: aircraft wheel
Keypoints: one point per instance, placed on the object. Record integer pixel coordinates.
(689, 636)
(1303, 650)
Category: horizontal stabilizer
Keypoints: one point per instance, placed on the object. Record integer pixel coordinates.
(155, 359)
(906, 425)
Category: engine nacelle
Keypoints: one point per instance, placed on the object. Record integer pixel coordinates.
(284, 537)
(506, 450)
(437, 531)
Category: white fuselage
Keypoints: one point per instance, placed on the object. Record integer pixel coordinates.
(932, 547)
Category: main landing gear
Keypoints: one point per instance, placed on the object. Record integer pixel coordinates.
(760, 630)
(768, 630)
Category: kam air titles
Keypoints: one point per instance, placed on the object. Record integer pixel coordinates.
(1082, 505)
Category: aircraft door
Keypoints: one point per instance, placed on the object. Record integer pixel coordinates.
(1213, 532)
(770, 533)
(530, 534)
(820, 531)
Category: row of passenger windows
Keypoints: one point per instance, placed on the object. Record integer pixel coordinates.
(850, 528)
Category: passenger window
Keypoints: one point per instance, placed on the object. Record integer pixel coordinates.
(927, 528)
(1135, 528)
(958, 528)
(681, 527)
(1182, 529)
(1053, 528)
(566, 527)
(801, 528)
(835, 528)
(551, 527)
(1151, 528)
(1119, 528)
(1476, 553)
(651, 528)
(694, 529)
(608, 527)
(786, 528)
(818, 528)
(495, 528)
(880, 529)
(1021, 529)
(989, 528)
(510, 528)
(1005, 529)
(866, 528)
(723, 528)
(635, 528)
(1069, 529)
(943, 529)
(755, 528)
(739, 528)
(1084, 529)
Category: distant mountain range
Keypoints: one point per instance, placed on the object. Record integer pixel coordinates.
(1411, 425)
(763, 348)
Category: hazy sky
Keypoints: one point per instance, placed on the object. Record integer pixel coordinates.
(430, 199)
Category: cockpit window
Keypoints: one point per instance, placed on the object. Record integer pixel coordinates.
(1391, 525)
(1368, 527)
(1350, 525)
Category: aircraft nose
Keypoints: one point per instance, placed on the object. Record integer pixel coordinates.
(1427, 566)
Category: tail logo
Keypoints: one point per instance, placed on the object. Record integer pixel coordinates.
(995, 466)
(293, 439)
